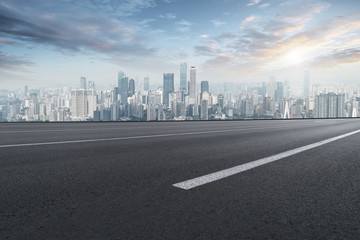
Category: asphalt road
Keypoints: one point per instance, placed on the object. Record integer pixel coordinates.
(116, 180)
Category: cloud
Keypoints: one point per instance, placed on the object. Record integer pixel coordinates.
(184, 26)
(122, 8)
(8, 62)
(302, 12)
(248, 20)
(218, 23)
(81, 32)
(336, 58)
(168, 16)
(264, 5)
(211, 50)
(183, 22)
(253, 2)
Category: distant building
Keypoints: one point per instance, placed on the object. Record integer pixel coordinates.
(204, 87)
(131, 87)
(146, 83)
(183, 76)
(123, 85)
(204, 110)
(193, 93)
(168, 87)
(82, 83)
(329, 105)
(79, 103)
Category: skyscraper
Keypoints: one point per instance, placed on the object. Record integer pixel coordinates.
(168, 87)
(204, 87)
(123, 85)
(204, 110)
(183, 76)
(306, 84)
(146, 83)
(131, 87)
(79, 103)
(82, 83)
(91, 85)
(193, 82)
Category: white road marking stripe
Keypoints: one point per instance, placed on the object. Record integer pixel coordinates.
(139, 137)
(195, 182)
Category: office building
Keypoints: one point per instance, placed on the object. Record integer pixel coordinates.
(193, 93)
(131, 87)
(183, 76)
(82, 83)
(146, 83)
(168, 87)
(204, 87)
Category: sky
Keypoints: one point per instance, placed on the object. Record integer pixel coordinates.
(45, 43)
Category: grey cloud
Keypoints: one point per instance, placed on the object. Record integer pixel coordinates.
(118, 8)
(207, 50)
(81, 32)
(336, 58)
(8, 62)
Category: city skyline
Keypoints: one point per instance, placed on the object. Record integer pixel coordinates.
(244, 41)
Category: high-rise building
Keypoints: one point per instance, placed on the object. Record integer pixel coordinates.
(340, 105)
(168, 87)
(204, 87)
(91, 85)
(193, 83)
(329, 105)
(204, 110)
(92, 102)
(123, 84)
(183, 76)
(332, 105)
(26, 90)
(116, 94)
(321, 105)
(131, 87)
(79, 103)
(83, 83)
(146, 83)
(306, 86)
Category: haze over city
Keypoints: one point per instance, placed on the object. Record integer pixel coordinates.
(54, 43)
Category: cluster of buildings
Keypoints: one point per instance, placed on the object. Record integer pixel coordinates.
(189, 101)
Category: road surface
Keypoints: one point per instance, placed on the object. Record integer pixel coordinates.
(120, 180)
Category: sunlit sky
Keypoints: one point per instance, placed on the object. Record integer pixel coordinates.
(53, 43)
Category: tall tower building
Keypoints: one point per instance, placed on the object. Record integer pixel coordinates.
(131, 87)
(123, 85)
(193, 83)
(79, 103)
(168, 87)
(183, 76)
(341, 105)
(204, 110)
(204, 87)
(146, 83)
(306, 86)
(83, 83)
(91, 85)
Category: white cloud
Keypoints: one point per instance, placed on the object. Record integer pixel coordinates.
(218, 23)
(264, 5)
(182, 29)
(253, 2)
(248, 20)
(168, 16)
(184, 22)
